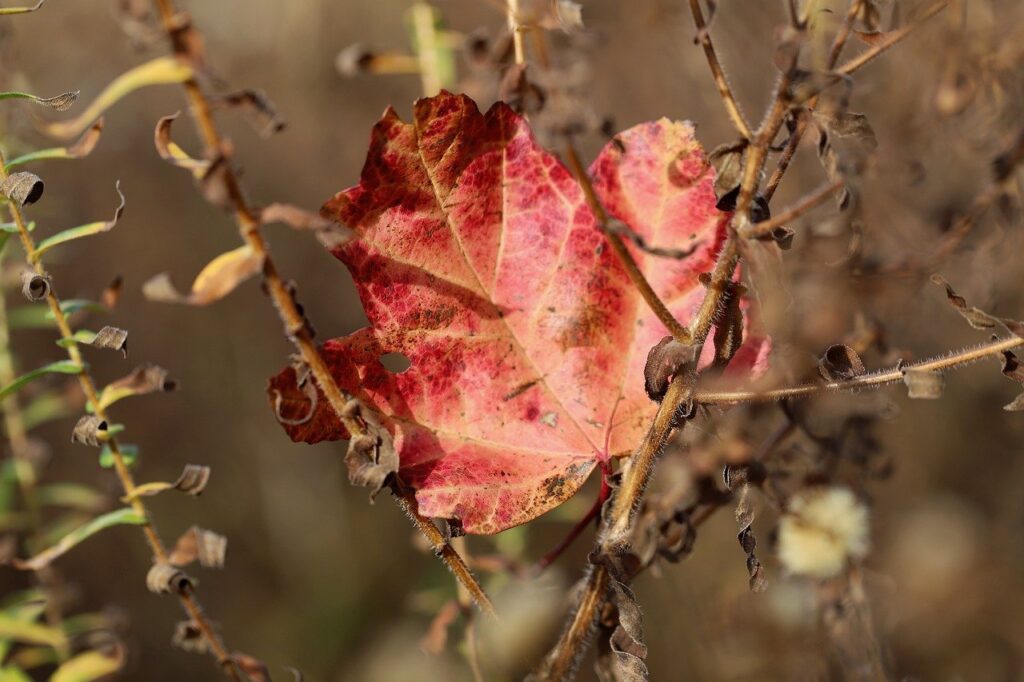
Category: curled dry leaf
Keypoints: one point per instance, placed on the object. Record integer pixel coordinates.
(664, 361)
(61, 102)
(479, 260)
(22, 188)
(1013, 371)
(218, 279)
(189, 637)
(144, 379)
(840, 362)
(371, 456)
(255, 669)
(89, 430)
(113, 338)
(34, 286)
(924, 384)
(170, 152)
(197, 543)
(975, 317)
(192, 481)
(622, 653)
(167, 579)
(111, 294)
(80, 149)
(329, 233)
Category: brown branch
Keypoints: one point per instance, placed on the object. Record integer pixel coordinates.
(728, 99)
(813, 199)
(891, 39)
(893, 375)
(188, 598)
(284, 302)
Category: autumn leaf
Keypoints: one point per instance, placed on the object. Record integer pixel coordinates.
(477, 258)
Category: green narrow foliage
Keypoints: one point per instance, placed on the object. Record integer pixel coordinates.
(125, 515)
(72, 495)
(60, 367)
(130, 453)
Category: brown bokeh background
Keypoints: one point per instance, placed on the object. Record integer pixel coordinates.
(318, 579)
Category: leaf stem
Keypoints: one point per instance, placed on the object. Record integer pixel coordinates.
(811, 200)
(188, 599)
(732, 107)
(891, 39)
(294, 322)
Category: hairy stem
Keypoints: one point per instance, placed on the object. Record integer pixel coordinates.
(893, 375)
(188, 599)
(294, 323)
(728, 99)
(810, 201)
(891, 38)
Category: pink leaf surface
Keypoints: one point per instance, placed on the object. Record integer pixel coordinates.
(477, 258)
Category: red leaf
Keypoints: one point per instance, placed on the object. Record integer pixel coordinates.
(477, 258)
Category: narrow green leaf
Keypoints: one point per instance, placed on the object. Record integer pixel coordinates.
(78, 150)
(61, 367)
(10, 673)
(74, 305)
(117, 517)
(12, 228)
(73, 495)
(130, 453)
(47, 407)
(30, 633)
(83, 230)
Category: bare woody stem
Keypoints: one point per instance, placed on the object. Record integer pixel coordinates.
(885, 377)
(890, 39)
(728, 99)
(812, 200)
(294, 323)
(187, 597)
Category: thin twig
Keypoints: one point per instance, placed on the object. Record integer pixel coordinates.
(728, 99)
(188, 599)
(893, 375)
(294, 323)
(891, 38)
(810, 201)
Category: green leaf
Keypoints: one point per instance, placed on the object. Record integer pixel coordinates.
(12, 228)
(40, 316)
(83, 230)
(11, 674)
(130, 453)
(47, 407)
(73, 495)
(88, 666)
(126, 515)
(74, 305)
(60, 367)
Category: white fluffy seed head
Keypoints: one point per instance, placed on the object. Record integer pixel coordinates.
(823, 529)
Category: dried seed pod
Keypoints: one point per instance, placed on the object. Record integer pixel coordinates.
(839, 363)
(34, 286)
(167, 579)
(22, 188)
(89, 430)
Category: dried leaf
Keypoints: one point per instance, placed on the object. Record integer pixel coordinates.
(189, 637)
(839, 363)
(359, 59)
(975, 317)
(170, 152)
(61, 102)
(84, 230)
(664, 362)
(574, 333)
(331, 234)
(622, 655)
(436, 638)
(261, 111)
(143, 380)
(168, 579)
(924, 384)
(89, 430)
(218, 279)
(115, 518)
(371, 458)
(35, 287)
(196, 543)
(80, 149)
(113, 338)
(112, 293)
(192, 481)
(564, 15)
(22, 188)
(156, 72)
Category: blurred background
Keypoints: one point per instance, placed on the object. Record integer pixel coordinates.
(319, 579)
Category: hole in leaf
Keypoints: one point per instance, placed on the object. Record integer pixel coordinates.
(396, 363)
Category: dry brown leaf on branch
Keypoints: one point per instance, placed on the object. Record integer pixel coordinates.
(22, 188)
(196, 543)
(144, 379)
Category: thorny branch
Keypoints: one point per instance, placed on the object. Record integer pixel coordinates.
(187, 596)
(294, 322)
